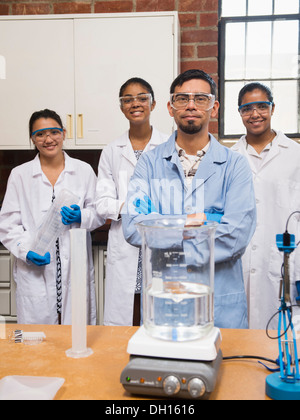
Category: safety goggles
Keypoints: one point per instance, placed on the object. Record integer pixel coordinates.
(141, 99)
(55, 133)
(202, 101)
(262, 107)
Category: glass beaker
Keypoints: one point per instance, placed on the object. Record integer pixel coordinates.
(178, 278)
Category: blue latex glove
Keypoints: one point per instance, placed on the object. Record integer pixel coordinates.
(214, 217)
(144, 206)
(38, 259)
(71, 215)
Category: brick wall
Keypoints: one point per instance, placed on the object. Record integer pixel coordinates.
(199, 43)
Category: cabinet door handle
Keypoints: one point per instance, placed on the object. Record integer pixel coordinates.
(2, 67)
(70, 126)
(80, 126)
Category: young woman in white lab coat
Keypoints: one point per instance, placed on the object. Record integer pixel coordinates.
(275, 163)
(116, 166)
(43, 281)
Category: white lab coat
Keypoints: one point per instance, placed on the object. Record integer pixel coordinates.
(116, 166)
(27, 199)
(277, 192)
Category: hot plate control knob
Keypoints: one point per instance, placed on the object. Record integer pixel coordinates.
(196, 388)
(171, 385)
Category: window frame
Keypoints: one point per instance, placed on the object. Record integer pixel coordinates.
(223, 21)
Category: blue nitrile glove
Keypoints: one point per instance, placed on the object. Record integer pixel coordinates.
(214, 217)
(71, 215)
(144, 206)
(38, 259)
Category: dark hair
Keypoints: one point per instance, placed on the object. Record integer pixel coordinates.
(45, 113)
(194, 74)
(137, 80)
(250, 87)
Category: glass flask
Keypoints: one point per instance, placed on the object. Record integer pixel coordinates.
(178, 278)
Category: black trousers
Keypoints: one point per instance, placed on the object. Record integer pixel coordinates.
(136, 321)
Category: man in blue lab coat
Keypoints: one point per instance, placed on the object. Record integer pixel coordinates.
(192, 173)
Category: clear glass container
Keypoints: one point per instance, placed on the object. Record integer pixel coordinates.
(178, 278)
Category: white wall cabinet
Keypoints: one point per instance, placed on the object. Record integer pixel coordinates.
(75, 64)
(39, 73)
(7, 287)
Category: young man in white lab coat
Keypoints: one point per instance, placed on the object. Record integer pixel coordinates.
(192, 160)
(275, 163)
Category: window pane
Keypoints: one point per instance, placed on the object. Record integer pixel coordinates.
(284, 7)
(286, 111)
(266, 51)
(233, 121)
(235, 51)
(285, 49)
(233, 7)
(260, 7)
(258, 52)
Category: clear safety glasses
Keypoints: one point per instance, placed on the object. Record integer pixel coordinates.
(262, 107)
(55, 133)
(141, 99)
(202, 101)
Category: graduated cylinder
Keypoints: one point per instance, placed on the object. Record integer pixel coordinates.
(79, 294)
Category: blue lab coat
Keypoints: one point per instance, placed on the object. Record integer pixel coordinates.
(222, 185)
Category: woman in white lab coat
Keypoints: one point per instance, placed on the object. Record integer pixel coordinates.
(116, 166)
(275, 163)
(43, 281)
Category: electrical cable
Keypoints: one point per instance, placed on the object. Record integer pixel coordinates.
(251, 357)
(287, 328)
(288, 220)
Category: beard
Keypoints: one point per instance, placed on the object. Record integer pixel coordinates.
(190, 128)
